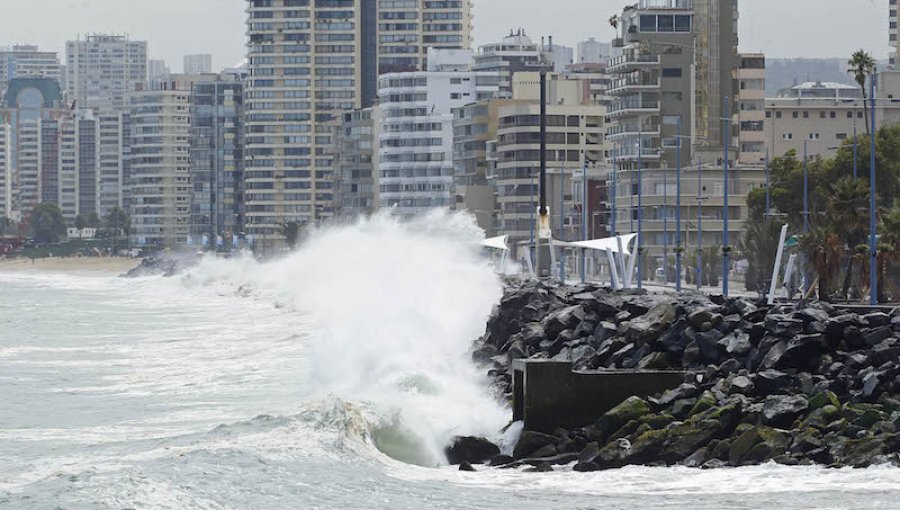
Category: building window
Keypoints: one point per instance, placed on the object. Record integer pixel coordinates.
(777, 115)
(796, 115)
(814, 136)
(841, 136)
(833, 115)
(805, 115)
(787, 136)
(671, 72)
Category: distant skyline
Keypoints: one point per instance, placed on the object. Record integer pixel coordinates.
(173, 28)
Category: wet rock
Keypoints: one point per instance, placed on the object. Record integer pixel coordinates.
(780, 410)
(757, 445)
(530, 442)
(465, 466)
(470, 449)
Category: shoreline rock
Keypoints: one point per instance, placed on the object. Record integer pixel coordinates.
(798, 384)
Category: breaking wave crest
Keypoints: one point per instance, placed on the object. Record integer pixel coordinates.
(394, 307)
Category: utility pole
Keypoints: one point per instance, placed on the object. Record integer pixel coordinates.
(544, 232)
(584, 218)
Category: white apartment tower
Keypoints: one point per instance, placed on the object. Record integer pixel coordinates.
(415, 146)
(310, 61)
(159, 166)
(103, 71)
(198, 64)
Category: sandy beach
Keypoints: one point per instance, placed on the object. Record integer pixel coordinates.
(98, 265)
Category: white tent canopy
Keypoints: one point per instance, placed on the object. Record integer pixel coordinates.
(609, 243)
(496, 243)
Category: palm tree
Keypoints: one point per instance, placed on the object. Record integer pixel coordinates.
(759, 245)
(861, 65)
(614, 21)
(847, 216)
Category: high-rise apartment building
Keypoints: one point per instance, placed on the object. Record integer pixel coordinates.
(674, 82)
(893, 41)
(217, 159)
(415, 146)
(309, 61)
(103, 71)
(560, 56)
(23, 61)
(5, 170)
(396, 35)
(354, 155)
(158, 163)
(751, 115)
(157, 72)
(197, 64)
(29, 104)
(515, 53)
(112, 151)
(593, 51)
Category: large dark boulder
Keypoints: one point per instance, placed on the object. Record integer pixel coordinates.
(475, 450)
(757, 445)
(781, 410)
(530, 442)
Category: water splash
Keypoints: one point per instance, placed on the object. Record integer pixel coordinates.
(395, 308)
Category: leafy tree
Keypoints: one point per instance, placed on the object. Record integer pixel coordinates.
(861, 65)
(80, 223)
(93, 220)
(46, 223)
(116, 219)
(759, 245)
(6, 225)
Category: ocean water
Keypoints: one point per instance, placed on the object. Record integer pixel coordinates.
(327, 380)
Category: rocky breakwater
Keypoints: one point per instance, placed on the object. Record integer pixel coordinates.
(793, 383)
(164, 265)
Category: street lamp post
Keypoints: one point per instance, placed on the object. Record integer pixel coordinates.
(678, 248)
(584, 219)
(532, 248)
(873, 248)
(726, 256)
(805, 188)
(640, 210)
(768, 188)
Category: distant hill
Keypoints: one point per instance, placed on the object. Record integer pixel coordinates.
(785, 72)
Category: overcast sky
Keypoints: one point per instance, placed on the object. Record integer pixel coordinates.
(780, 28)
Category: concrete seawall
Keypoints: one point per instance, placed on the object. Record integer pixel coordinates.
(548, 394)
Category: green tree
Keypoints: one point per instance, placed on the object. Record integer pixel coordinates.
(93, 220)
(861, 65)
(759, 245)
(80, 223)
(6, 225)
(117, 219)
(46, 223)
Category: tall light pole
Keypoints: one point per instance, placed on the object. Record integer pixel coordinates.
(805, 188)
(726, 256)
(584, 219)
(532, 248)
(666, 222)
(873, 248)
(768, 187)
(699, 275)
(640, 211)
(678, 248)
(615, 191)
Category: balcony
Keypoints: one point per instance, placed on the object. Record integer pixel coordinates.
(633, 129)
(631, 62)
(632, 85)
(633, 107)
